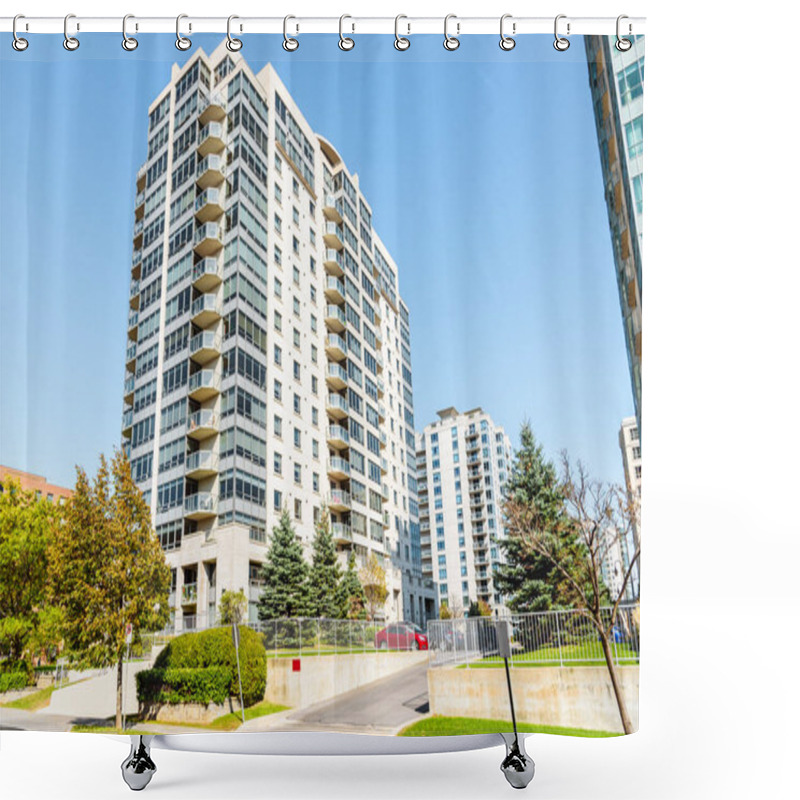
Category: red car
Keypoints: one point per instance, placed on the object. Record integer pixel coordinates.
(401, 636)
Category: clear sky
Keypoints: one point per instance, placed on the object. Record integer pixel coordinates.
(483, 173)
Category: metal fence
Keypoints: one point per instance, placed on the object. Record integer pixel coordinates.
(549, 638)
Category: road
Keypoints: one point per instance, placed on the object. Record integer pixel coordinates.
(383, 706)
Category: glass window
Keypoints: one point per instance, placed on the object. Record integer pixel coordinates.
(633, 136)
(630, 81)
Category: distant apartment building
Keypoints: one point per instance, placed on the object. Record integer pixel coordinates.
(268, 361)
(631, 448)
(617, 81)
(462, 463)
(38, 484)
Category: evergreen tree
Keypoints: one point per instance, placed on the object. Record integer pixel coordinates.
(350, 599)
(326, 573)
(285, 575)
(527, 578)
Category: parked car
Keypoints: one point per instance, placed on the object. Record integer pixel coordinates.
(401, 636)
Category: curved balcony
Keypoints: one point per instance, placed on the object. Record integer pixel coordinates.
(202, 464)
(383, 439)
(211, 171)
(334, 290)
(127, 422)
(127, 391)
(205, 347)
(338, 437)
(209, 205)
(205, 310)
(130, 357)
(337, 406)
(213, 108)
(384, 466)
(202, 505)
(338, 469)
(202, 425)
(335, 318)
(335, 347)
(334, 262)
(211, 139)
(333, 235)
(208, 239)
(207, 274)
(379, 362)
(342, 532)
(134, 295)
(338, 500)
(381, 412)
(133, 325)
(331, 208)
(381, 387)
(136, 264)
(204, 385)
(384, 491)
(336, 376)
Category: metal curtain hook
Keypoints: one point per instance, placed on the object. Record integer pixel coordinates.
(451, 42)
(70, 42)
(560, 43)
(401, 42)
(18, 43)
(290, 44)
(181, 42)
(506, 42)
(623, 45)
(345, 42)
(233, 44)
(128, 42)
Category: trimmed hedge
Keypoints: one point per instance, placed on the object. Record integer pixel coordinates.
(214, 648)
(205, 685)
(13, 680)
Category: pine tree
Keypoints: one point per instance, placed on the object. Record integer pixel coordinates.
(285, 575)
(326, 573)
(527, 579)
(350, 599)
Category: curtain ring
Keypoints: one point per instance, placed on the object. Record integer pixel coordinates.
(400, 42)
(70, 42)
(233, 44)
(623, 45)
(128, 42)
(181, 42)
(18, 43)
(507, 42)
(345, 42)
(290, 44)
(451, 42)
(561, 44)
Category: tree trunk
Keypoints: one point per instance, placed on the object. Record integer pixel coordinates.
(118, 720)
(627, 726)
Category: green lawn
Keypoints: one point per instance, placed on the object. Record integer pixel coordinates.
(586, 654)
(230, 722)
(106, 729)
(460, 726)
(33, 701)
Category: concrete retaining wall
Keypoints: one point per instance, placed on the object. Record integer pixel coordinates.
(191, 713)
(575, 697)
(323, 677)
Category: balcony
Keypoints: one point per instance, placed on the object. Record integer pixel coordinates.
(208, 239)
(335, 347)
(334, 290)
(333, 236)
(386, 520)
(379, 362)
(424, 540)
(205, 310)
(339, 500)
(130, 357)
(202, 505)
(334, 262)
(254, 589)
(473, 444)
(337, 406)
(381, 412)
(207, 274)
(378, 340)
(136, 264)
(204, 385)
(213, 108)
(342, 533)
(138, 230)
(189, 594)
(425, 526)
(338, 469)
(202, 424)
(335, 318)
(331, 208)
(139, 201)
(141, 178)
(202, 464)
(127, 422)
(209, 205)
(211, 171)
(211, 139)
(381, 387)
(476, 501)
(385, 492)
(384, 466)
(127, 391)
(336, 376)
(205, 347)
(134, 295)
(337, 437)
(133, 325)
(383, 439)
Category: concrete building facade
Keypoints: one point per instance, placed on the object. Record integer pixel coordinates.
(630, 446)
(462, 464)
(268, 362)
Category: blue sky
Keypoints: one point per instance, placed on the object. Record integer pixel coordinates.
(484, 177)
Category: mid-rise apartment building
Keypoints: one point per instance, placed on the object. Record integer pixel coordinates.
(268, 361)
(463, 461)
(630, 446)
(617, 82)
(38, 484)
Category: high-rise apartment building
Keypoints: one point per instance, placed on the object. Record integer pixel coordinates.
(462, 465)
(617, 81)
(268, 361)
(631, 447)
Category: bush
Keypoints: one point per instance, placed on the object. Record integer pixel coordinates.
(13, 680)
(183, 685)
(214, 648)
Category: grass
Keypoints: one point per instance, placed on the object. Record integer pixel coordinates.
(460, 726)
(106, 729)
(586, 654)
(33, 701)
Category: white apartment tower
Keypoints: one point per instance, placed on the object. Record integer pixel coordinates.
(269, 357)
(462, 465)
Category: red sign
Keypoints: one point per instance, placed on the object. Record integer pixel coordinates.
(295, 665)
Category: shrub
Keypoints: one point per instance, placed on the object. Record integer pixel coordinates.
(214, 648)
(183, 685)
(13, 680)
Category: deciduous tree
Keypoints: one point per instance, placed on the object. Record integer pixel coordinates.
(373, 579)
(232, 607)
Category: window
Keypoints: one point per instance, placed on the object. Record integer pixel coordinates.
(633, 136)
(297, 440)
(277, 500)
(278, 391)
(637, 192)
(277, 426)
(298, 510)
(630, 81)
(278, 355)
(277, 464)
(298, 474)
(297, 404)
(296, 370)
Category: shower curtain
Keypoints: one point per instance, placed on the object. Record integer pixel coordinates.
(320, 381)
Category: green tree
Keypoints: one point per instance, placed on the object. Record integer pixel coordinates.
(232, 607)
(285, 575)
(527, 578)
(350, 599)
(444, 610)
(27, 527)
(108, 568)
(326, 573)
(373, 579)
